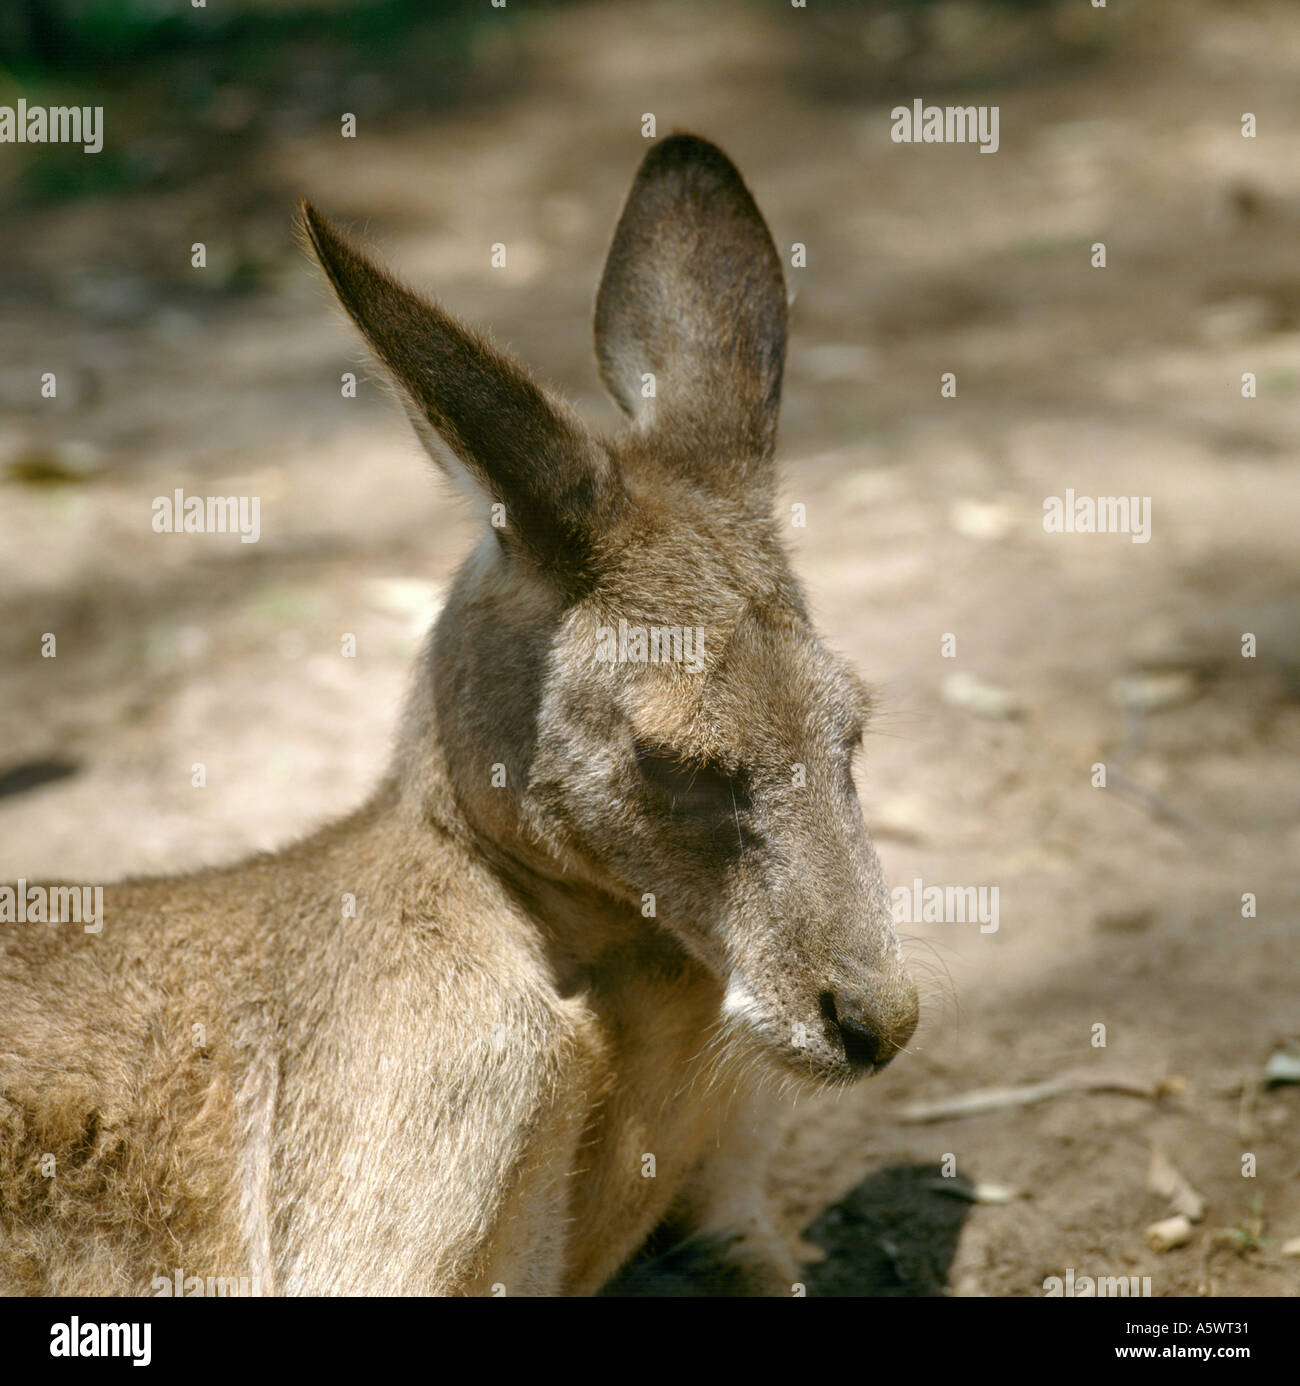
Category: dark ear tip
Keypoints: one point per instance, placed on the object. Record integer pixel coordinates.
(312, 226)
(683, 144)
(682, 151)
(321, 238)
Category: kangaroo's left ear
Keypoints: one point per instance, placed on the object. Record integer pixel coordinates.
(693, 296)
(474, 407)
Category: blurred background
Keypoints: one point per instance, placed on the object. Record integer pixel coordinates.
(1119, 907)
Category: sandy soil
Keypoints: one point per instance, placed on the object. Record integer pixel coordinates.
(1119, 907)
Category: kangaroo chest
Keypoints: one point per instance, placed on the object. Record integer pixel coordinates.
(659, 1104)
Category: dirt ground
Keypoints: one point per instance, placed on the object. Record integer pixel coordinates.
(1119, 906)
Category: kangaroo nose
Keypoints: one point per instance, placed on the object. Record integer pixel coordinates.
(873, 1030)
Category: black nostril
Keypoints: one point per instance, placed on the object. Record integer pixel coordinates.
(864, 1045)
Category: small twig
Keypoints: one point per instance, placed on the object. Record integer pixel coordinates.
(994, 1099)
(1157, 807)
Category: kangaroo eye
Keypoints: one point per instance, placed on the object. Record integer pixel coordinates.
(687, 785)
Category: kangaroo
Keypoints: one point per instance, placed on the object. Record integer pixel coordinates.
(536, 1000)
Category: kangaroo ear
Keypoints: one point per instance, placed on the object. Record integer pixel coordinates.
(474, 406)
(693, 295)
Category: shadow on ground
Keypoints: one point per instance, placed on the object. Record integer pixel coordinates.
(894, 1236)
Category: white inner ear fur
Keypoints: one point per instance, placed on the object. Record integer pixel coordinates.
(464, 482)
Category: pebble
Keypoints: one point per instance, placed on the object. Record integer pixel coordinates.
(1169, 1233)
(1150, 692)
(981, 519)
(983, 699)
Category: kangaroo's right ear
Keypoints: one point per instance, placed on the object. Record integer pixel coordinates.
(693, 298)
(474, 406)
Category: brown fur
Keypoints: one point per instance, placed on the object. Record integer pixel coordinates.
(457, 1087)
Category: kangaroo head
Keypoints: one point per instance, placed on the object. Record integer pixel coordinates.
(628, 693)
